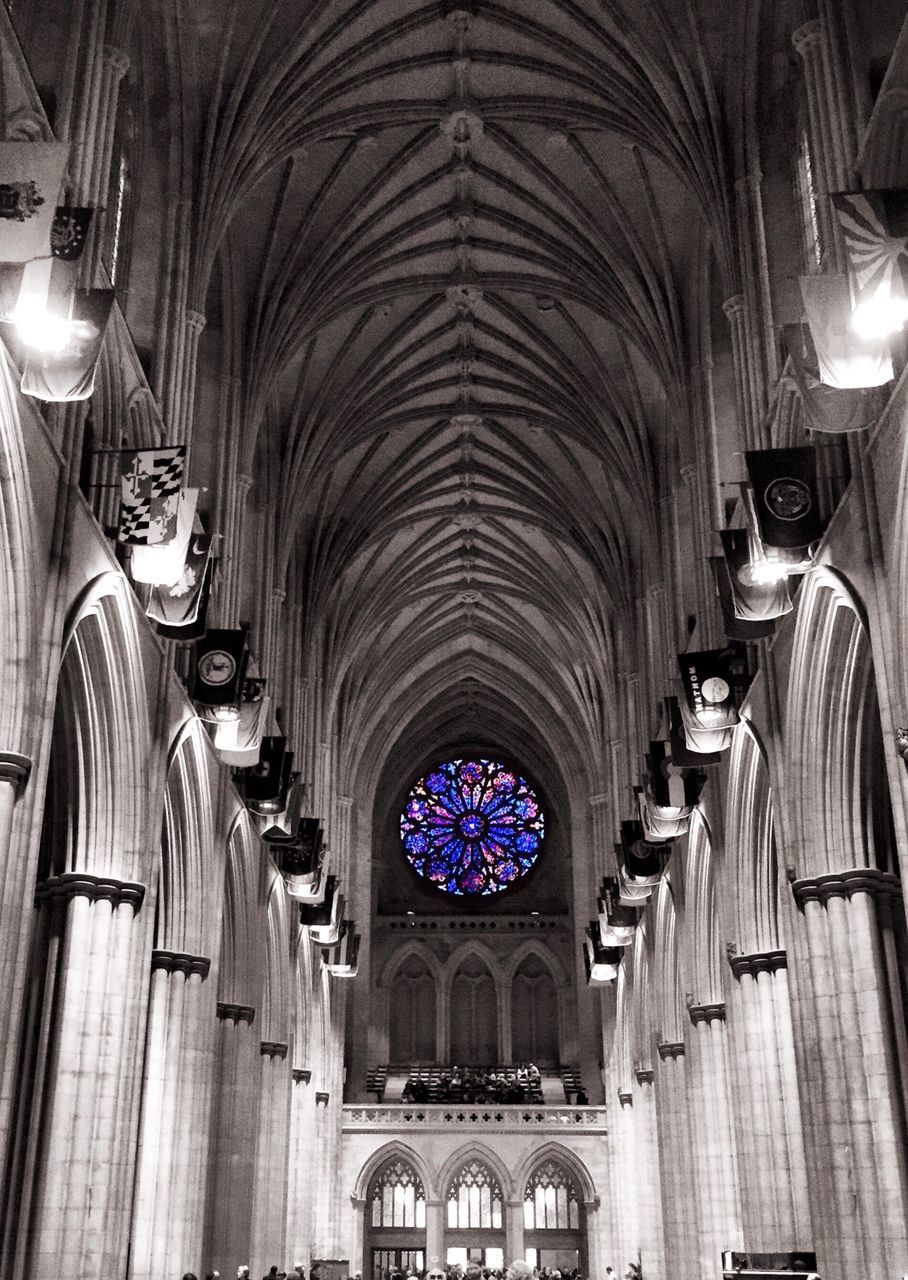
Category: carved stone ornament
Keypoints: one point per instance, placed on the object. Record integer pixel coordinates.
(16, 769)
(757, 962)
(706, 1013)
(80, 884)
(236, 1013)
(845, 884)
(180, 962)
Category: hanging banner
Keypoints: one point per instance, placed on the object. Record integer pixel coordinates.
(31, 175)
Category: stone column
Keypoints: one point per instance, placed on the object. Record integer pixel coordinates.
(755, 273)
(711, 1127)
(828, 131)
(652, 1243)
(594, 1263)
(601, 808)
(699, 514)
(627, 1205)
(771, 1162)
(269, 1201)
(168, 1219)
(15, 770)
(193, 324)
(851, 1087)
(96, 182)
(513, 1228)
(76, 1175)
(358, 1260)
(678, 1191)
(233, 1146)
(299, 1184)
(321, 1198)
(735, 309)
(435, 1235)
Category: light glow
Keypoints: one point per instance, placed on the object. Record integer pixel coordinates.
(880, 316)
(763, 573)
(40, 330)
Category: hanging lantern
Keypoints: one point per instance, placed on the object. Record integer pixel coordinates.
(617, 922)
(299, 857)
(601, 963)
(325, 921)
(342, 960)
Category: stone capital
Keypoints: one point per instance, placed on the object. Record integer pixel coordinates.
(236, 1013)
(706, 1013)
(180, 962)
(845, 884)
(117, 60)
(195, 320)
(670, 1049)
(645, 1075)
(807, 38)
(301, 1075)
(273, 1049)
(322, 1098)
(625, 1098)
(80, 884)
(734, 305)
(15, 769)
(758, 962)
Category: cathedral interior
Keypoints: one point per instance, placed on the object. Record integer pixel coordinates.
(453, 783)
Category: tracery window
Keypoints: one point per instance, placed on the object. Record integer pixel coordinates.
(475, 1198)
(551, 1201)
(472, 826)
(398, 1197)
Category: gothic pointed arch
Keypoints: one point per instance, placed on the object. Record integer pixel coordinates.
(536, 1004)
(474, 996)
(412, 996)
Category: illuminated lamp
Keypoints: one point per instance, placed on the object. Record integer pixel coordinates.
(225, 734)
(642, 861)
(881, 315)
(299, 858)
(617, 922)
(325, 921)
(266, 786)
(630, 894)
(342, 961)
(601, 963)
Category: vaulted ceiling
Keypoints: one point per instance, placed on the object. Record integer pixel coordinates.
(459, 251)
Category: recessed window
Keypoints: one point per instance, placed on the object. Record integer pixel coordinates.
(472, 827)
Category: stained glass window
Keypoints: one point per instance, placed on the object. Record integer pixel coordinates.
(475, 1198)
(472, 826)
(551, 1201)
(398, 1198)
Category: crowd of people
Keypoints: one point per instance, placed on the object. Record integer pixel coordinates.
(474, 1270)
(478, 1084)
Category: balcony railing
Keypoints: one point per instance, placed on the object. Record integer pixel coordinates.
(399, 1116)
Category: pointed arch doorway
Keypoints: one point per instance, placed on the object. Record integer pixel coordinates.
(554, 1224)
(395, 1235)
(474, 1216)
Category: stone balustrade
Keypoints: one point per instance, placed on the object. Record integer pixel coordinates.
(398, 1116)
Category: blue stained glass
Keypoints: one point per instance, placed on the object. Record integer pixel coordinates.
(472, 827)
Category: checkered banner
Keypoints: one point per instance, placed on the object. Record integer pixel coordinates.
(150, 482)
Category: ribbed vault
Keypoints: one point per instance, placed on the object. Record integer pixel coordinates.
(458, 250)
